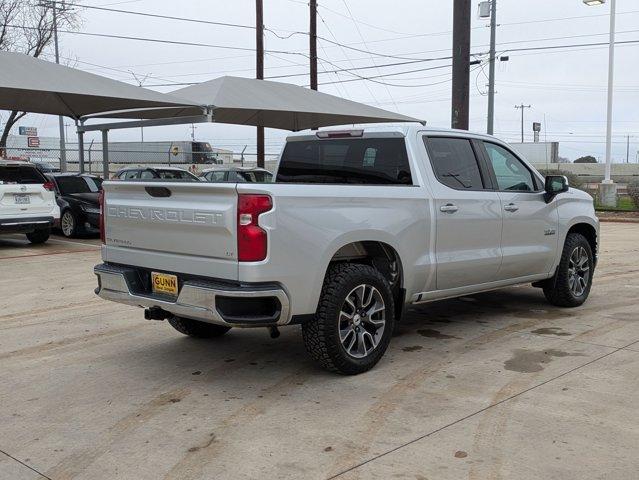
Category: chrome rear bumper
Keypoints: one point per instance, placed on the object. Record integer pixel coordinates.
(196, 300)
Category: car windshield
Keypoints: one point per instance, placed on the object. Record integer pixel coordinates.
(20, 174)
(72, 184)
(177, 175)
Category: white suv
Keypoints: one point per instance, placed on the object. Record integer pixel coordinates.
(27, 201)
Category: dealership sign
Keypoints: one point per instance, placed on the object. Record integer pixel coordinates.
(28, 131)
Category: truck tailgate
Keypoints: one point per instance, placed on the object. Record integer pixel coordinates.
(179, 227)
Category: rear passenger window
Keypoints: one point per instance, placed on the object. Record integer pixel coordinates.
(454, 163)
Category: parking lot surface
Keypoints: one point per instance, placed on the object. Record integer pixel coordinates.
(497, 385)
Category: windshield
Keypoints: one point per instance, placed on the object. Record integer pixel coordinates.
(71, 185)
(374, 161)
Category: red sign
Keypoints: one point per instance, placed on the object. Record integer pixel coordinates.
(33, 142)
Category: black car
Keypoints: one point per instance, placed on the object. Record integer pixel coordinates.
(78, 197)
(155, 173)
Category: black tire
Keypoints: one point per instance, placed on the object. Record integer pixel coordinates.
(194, 328)
(69, 224)
(39, 236)
(558, 289)
(322, 334)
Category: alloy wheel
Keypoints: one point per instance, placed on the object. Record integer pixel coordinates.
(67, 224)
(578, 271)
(362, 320)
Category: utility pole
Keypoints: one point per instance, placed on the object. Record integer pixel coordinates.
(461, 64)
(63, 149)
(259, 73)
(491, 68)
(522, 107)
(627, 148)
(313, 43)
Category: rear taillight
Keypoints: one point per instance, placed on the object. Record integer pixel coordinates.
(252, 241)
(101, 198)
(48, 186)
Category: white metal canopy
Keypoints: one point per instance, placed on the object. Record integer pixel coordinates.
(34, 85)
(246, 101)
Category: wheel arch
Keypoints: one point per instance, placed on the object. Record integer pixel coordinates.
(379, 254)
(589, 232)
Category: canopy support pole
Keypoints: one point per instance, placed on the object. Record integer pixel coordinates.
(105, 154)
(80, 145)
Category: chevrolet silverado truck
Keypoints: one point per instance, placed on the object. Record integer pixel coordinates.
(358, 226)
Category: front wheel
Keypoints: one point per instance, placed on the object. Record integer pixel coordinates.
(194, 328)
(571, 284)
(354, 321)
(69, 224)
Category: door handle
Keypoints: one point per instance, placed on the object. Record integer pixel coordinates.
(511, 207)
(449, 208)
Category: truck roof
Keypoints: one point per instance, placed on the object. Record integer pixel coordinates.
(403, 129)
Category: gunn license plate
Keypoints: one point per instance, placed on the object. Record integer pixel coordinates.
(164, 283)
(21, 199)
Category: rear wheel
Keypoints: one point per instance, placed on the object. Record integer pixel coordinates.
(354, 320)
(39, 236)
(571, 284)
(194, 328)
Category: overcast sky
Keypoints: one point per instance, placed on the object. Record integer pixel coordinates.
(566, 87)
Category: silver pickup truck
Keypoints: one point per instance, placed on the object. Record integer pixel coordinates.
(357, 226)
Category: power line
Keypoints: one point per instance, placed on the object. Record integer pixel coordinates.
(155, 15)
(158, 40)
(328, 29)
(350, 14)
(523, 49)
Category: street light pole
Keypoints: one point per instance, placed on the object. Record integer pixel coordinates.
(63, 150)
(491, 68)
(607, 189)
(611, 73)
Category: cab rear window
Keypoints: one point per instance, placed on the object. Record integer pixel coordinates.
(20, 174)
(372, 161)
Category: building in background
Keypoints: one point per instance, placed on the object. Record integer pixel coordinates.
(538, 152)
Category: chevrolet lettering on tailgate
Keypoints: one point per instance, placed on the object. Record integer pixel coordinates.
(176, 215)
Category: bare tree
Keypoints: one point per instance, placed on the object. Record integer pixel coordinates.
(28, 27)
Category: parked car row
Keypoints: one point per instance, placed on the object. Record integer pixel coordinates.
(33, 199)
(223, 174)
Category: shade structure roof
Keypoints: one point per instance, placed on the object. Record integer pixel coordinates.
(246, 101)
(34, 85)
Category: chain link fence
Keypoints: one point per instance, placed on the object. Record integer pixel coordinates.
(121, 156)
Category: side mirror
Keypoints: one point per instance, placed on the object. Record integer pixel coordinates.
(555, 184)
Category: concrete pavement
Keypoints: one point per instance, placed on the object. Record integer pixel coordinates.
(497, 385)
